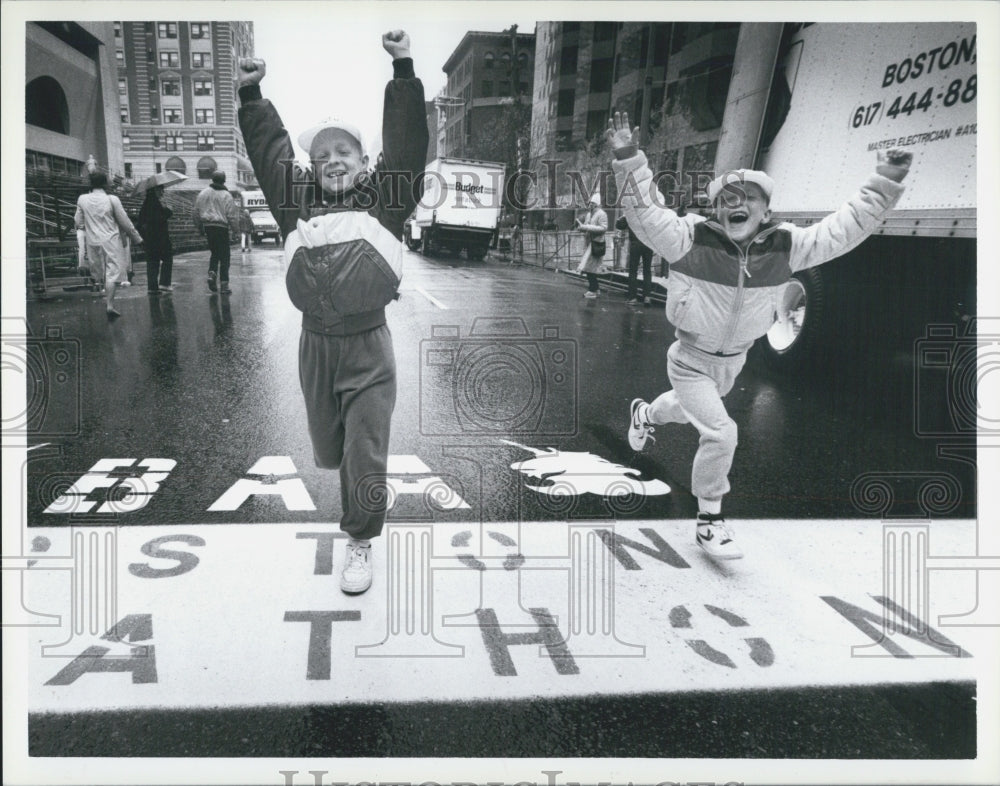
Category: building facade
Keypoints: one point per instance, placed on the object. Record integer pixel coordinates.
(671, 78)
(71, 107)
(490, 82)
(178, 103)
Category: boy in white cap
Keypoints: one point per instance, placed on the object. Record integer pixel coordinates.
(726, 275)
(343, 226)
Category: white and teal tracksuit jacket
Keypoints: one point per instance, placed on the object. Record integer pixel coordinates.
(721, 299)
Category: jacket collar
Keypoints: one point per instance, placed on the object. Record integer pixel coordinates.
(764, 231)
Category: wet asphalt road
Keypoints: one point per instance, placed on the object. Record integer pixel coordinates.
(210, 381)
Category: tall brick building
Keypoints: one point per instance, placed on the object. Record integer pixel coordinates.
(177, 99)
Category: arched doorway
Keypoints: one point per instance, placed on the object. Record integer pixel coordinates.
(45, 105)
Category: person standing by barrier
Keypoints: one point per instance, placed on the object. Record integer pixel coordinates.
(154, 217)
(595, 225)
(246, 230)
(637, 251)
(215, 213)
(103, 218)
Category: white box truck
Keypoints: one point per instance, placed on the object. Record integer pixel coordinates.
(460, 208)
(811, 104)
(264, 225)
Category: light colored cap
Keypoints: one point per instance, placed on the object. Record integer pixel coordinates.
(596, 199)
(307, 137)
(736, 177)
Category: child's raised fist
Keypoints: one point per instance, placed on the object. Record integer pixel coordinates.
(894, 164)
(251, 70)
(396, 43)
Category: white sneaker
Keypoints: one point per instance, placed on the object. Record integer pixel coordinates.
(639, 429)
(357, 574)
(590, 294)
(715, 538)
(166, 288)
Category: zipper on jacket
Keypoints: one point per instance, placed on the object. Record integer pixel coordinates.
(737, 306)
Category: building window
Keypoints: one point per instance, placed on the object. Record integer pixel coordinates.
(488, 60)
(152, 84)
(124, 113)
(170, 59)
(156, 141)
(203, 116)
(505, 60)
(126, 142)
(206, 142)
(567, 60)
(201, 59)
(122, 87)
(159, 167)
(487, 87)
(504, 87)
(601, 75)
(172, 116)
(128, 171)
(604, 31)
(523, 88)
(201, 29)
(120, 57)
(166, 30)
(175, 164)
(174, 142)
(154, 114)
(150, 56)
(118, 29)
(206, 166)
(564, 105)
(203, 87)
(171, 87)
(597, 122)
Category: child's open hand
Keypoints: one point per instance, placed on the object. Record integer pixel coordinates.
(251, 70)
(396, 43)
(619, 134)
(894, 164)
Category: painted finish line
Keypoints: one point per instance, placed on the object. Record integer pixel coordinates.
(239, 615)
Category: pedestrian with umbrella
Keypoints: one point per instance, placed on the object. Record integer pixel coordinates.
(153, 224)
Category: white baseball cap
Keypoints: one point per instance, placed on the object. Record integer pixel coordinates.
(735, 177)
(307, 137)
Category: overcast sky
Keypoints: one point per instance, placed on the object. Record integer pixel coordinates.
(333, 64)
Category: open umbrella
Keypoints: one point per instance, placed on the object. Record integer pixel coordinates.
(165, 179)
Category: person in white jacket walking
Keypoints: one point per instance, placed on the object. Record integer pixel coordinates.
(595, 224)
(726, 276)
(215, 215)
(102, 218)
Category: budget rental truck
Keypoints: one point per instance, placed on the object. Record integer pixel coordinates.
(459, 210)
(811, 105)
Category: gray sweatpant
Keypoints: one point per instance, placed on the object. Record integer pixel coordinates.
(700, 380)
(349, 385)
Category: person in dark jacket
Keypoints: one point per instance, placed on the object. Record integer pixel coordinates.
(637, 251)
(342, 227)
(154, 217)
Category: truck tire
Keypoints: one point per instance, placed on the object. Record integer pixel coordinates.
(477, 253)
(792, 341)
(412, 244)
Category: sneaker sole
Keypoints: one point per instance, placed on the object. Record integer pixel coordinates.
(634, 442)
(353, 591)
(714, 555)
